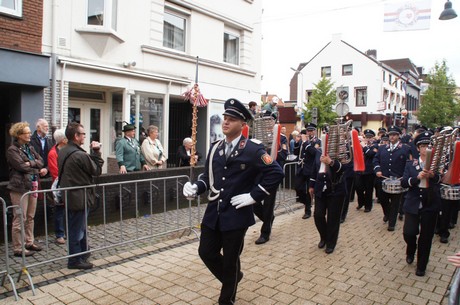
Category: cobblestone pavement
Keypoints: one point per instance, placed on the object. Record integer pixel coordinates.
(367, 267)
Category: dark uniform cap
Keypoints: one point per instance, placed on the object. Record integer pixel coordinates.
(310, 126)
(303, 131)
(128, 127)
(394, 129)
(423, 138)
(384, 137)
(236, 109)
(369, 132)
(420, 127)
(382, 129)
(357, 129)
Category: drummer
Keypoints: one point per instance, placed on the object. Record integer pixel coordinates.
(421, 206)
(389, 162)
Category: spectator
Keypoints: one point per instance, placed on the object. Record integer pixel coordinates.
(184, 153)
(59, 209)
(252, 107)
(153, 151)
(77, 168)
(42, 144)
(128, 152)
(25, 165)
(216, 128)
(270, 107)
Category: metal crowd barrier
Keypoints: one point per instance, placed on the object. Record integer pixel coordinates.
(285, 193)
(126, 221)
(454, 291)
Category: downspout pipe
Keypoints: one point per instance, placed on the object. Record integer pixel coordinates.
(54, 67)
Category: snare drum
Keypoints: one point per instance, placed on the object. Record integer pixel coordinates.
(449, 192)
(393, 186)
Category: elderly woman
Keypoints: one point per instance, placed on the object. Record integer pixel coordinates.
(25, 164)
(184, 153)
(153, 151)
(59, 209)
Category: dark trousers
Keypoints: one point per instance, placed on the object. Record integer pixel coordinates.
(77, 236)
(327, 218)
(444, 218)
(350, 181)
(301, 189)
(226, 266)
(264, 211)
(390, 206)
(424, 224)
(59, 212)
(365, 189)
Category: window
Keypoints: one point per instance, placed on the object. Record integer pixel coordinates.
(174, 32)
(326, 71)
(361, 96)
(11, 7)
(231, 48)
(390, 79)
(347, 70)
(384, 76)
(103, 13)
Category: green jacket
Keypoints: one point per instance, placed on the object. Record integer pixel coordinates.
(129, 154)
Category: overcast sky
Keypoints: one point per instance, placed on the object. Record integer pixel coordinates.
(295, 30)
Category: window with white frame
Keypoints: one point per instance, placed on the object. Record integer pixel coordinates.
(103, 13)
(231, 48)
(174, 31)
(326, 71)
(347, 69)
(11, 7)
(361, 96)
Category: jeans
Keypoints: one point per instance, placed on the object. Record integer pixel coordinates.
(77, 235)
(59, 229)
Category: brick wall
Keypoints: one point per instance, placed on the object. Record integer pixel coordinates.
(23, 34)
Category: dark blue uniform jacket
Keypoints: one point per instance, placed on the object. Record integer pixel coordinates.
(307, 157)
(391, 163)
(331, 183)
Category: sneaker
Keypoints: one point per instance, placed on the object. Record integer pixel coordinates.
(60, 240)
(81, 265)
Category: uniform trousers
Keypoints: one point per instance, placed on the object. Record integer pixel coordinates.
(327, 214)
(28, 206)
(301, 186)
(226, 265)
(424, 224)
(264, 211)
(365, 189)
(444, 218)
(390, 206)
(350, 182)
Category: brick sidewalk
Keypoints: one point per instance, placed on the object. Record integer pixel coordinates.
(367, 267)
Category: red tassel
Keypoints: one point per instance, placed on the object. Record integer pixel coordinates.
(276, 140)
(455, 177)
(358, 156)
(245, 131)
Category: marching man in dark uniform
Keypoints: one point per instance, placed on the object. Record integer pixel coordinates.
(231, 176)
(389, 162)
(365, 180)
(421, 206)
(307, 153)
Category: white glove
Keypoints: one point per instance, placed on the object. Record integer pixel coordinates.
(190, 190)
(242, 200)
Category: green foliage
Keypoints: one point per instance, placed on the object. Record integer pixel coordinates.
(324, 98)
(438, 105)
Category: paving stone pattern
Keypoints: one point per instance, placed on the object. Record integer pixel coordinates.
(367, 267)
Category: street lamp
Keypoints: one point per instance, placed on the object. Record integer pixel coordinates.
(448, 12)
(300, 95)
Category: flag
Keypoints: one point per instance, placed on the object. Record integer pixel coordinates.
(407, 16)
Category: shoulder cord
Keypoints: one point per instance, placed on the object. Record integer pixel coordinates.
(211, 175)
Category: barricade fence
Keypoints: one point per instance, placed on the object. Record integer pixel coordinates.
(131, 211)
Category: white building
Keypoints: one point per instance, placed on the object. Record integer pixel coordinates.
(131, 61)
(373, 92)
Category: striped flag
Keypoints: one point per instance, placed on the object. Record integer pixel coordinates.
(407, 16)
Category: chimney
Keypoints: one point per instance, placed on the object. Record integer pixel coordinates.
(372, 53)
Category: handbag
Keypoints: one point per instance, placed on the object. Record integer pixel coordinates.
(57, 193)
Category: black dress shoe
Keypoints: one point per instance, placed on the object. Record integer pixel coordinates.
(34, 247)
(81, 265)
(391, 228)
(409, 259)
(240, 276)
(329, 250)
(419, 272)
(262, 240)
(342, 220)
(321, 244)
(306, 216)
(444, 239)
(359, 207)
(401, 216)
(385, 218)
(26, 253)
(367, 210)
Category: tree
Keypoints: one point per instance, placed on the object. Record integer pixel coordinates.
(439, 106)
(323, 97)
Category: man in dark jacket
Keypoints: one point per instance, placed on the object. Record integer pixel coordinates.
(77, 168)
(42, 143)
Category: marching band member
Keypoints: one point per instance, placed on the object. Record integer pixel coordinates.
(389, 162)
(366, 179)
(421, 206)
(238, 173)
